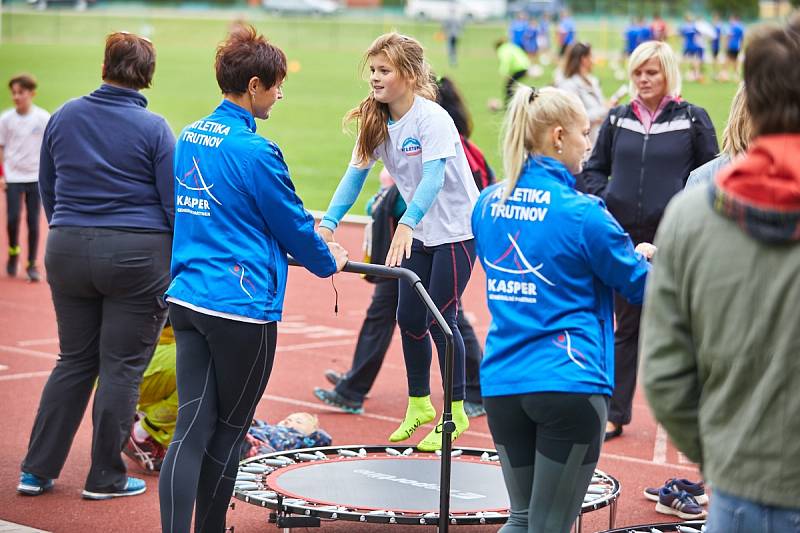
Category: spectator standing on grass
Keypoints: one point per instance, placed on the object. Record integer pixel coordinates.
(566, 32)
(21, 132)
(400, 123)
(578, 80)
(719, 330)
(514, 65)
(649, 147)
(453, 26)
(736, 138)
(548, 366)
(229, 181)
(734, 46)
(107, 189)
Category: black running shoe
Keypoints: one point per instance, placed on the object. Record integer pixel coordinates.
(333, 377)
(334, 399)
(11, 266)
(33, 273)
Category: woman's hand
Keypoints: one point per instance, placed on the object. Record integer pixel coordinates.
(339, 254)
(646, 249)
(401, 245)
(326, 234)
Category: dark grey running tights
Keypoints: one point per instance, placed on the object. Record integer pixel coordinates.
(549, 444)
(222, 369)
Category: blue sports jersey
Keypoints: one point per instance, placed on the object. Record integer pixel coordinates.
(631, 36)
(516, 32)
(645, 34)
(236, 217)
(735, 36)
(567, 30)
(553, 257)
(530, 39)
(689, 33)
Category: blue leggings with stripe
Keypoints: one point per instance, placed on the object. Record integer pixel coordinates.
(444, 270)
(222, 370)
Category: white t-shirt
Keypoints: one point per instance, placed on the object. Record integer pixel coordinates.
(427, 133)
(21, 139)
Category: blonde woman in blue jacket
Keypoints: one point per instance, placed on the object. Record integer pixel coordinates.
(553, 257)
(237, 216)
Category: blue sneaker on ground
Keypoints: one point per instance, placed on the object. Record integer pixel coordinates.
(695, 490)
(33, 485)
(680, 504)
(133, 487)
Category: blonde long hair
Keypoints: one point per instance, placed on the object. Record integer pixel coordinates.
(371, 117)
(531, 115)
(738, 131)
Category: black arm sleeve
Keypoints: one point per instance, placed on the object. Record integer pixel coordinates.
(594, 178)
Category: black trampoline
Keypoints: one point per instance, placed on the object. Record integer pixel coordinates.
(693, 526)
(384, 485)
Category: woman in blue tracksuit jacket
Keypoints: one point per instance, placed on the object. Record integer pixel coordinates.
(236, 217)
(552, 258)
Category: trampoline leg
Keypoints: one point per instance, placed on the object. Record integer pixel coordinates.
(579, 524)
(612, 514)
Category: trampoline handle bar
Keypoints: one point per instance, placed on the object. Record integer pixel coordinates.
(448, 427)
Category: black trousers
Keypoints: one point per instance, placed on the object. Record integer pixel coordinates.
(626, 348)
(222, 370)
(549, 445)
(107, 287)
(375, 337)
(16, 193)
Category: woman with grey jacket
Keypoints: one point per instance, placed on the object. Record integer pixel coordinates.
(579, 81)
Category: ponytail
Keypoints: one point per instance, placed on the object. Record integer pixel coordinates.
(532, 114)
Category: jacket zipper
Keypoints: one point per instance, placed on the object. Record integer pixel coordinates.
(641, 183)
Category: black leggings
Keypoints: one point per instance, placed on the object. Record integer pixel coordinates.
(549, 444)
(444, 271)
(222, 370)
(14, 194)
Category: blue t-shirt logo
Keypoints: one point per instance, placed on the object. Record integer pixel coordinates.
(411, 146)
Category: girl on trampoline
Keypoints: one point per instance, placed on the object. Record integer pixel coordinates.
(552, 258)
(400, 123)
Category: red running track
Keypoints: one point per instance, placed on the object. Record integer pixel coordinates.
(311, 339)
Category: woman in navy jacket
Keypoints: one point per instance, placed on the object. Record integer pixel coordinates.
(552, 257)
(236, 217)
(649, 147)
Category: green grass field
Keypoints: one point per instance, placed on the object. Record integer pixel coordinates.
(65, 51)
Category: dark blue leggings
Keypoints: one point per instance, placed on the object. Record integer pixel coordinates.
(444, 271)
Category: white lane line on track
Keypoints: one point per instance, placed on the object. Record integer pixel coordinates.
(25, 351)
(314, 345)
(660, 446)
(25, 375)
(639, 461)
(39, 342)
